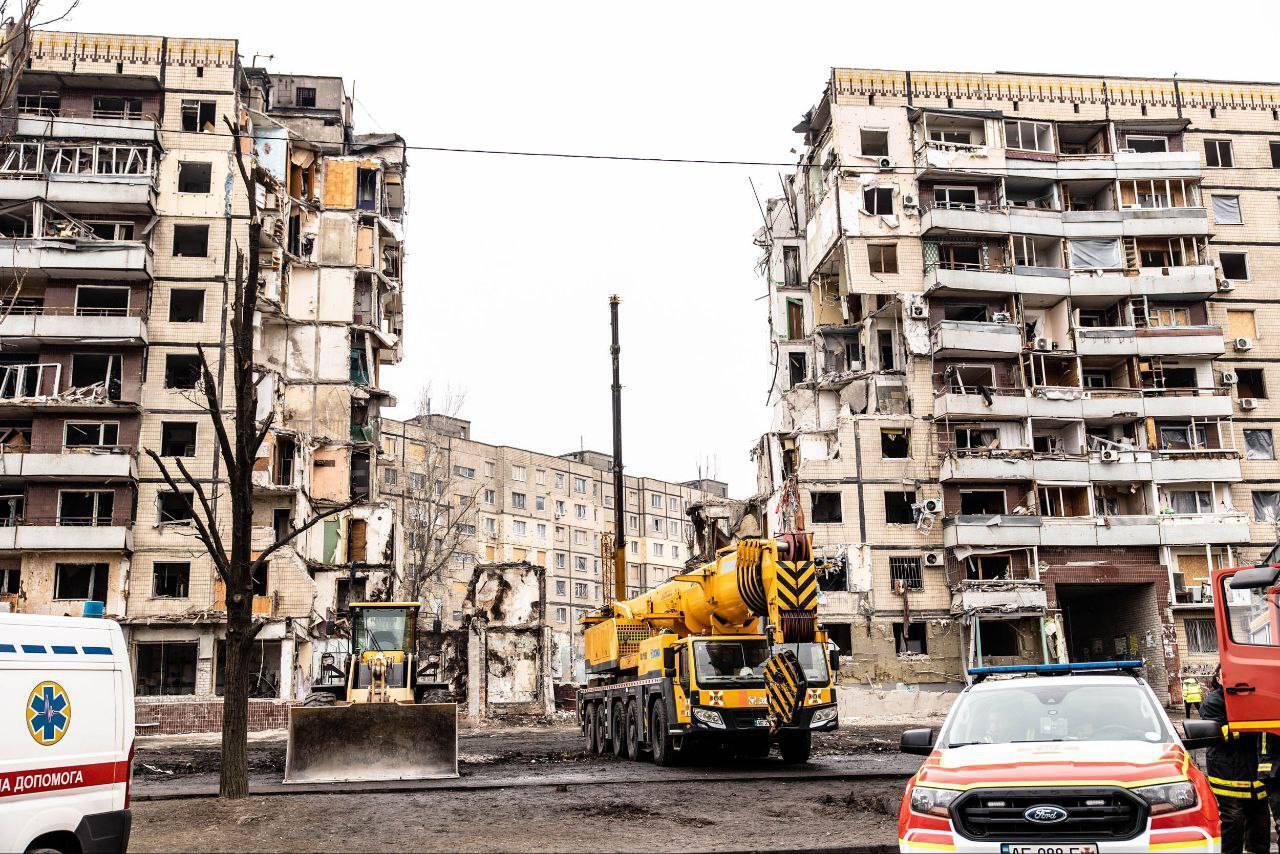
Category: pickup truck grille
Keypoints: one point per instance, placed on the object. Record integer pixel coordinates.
(1092, 814)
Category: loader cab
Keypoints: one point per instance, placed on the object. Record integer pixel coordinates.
(1246, 606)
(383, 641)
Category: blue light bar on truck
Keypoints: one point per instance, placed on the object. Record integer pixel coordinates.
(980, 673)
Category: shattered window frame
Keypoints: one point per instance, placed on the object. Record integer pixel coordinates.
(893, 439)
(1266, 505)
(882, 258)
(826, 507)
(1259, 444)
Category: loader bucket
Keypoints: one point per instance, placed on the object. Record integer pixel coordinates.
(362, 742)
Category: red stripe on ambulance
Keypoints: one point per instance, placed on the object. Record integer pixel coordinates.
(67, 777)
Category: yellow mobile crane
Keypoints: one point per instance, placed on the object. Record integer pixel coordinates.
(729, 653)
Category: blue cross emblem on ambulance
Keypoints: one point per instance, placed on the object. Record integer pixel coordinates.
(48, 713)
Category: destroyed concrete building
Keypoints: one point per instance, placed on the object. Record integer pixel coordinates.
(465, 502)
(1021, 389)
(122, 219)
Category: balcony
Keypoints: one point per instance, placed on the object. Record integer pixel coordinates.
(99, 463)
(1149, 530)
(47, 535)
(968, 338)
(944, 157)
(1003, 219)
(89, 177)
(75, 258)
(1195, 282)
(41, 385)
(1005, 596)
(1076, 403)
(33, 325)
(98, 125)
(1150, 341)
(1013, 465)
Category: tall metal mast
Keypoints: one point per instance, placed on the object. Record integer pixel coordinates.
(619, 496)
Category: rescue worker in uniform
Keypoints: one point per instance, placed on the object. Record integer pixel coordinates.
(1269, 772)
(1191, 694)
(1235, 777)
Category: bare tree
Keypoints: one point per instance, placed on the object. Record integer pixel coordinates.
(239, 435)
(439, 503)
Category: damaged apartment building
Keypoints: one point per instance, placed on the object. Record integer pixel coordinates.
(466, 503)
(1022, 364)
(123, 214)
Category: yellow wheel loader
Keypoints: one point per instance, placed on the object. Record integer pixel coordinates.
(376, 731)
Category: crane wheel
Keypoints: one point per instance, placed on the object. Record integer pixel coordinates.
(795, 746)
(664, 746)
(589, 727)
(618, 730)
(633, 724)
(602, 728)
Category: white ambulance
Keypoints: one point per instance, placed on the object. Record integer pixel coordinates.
(66, 734)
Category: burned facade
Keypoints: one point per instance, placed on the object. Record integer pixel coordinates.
(1020, 395)
(123, 218)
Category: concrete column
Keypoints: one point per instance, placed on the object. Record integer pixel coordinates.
(205, 643)
(547, 688)
(476, 681)
(286, 666)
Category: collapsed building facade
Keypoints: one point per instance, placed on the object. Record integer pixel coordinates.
(1020, 384)
(124, 211)
(465, 502)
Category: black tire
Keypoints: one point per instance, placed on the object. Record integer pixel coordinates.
(795, 746)
(633, 730)
(618, 729)
(601, 719)
(660, 740)
(589, 727)
(754, 746)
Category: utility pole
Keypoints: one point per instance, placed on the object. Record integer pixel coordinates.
(619, 496)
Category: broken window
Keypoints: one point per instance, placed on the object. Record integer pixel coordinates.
(910, 639)
(282, 521)
(94, 301)
(360, 473)
(898, 509)
(826, 507)
(199, 116)
(878, 201)
(11, 510)
(98, 371)
(195, 177)
(178, 439)
(175, 508)
(190, 241)
(40, 104)
(1063, 501)
(1235, 265)
(965, 312)
(980, 567)
(350, 590)
(1217, 153)
(1251, 382)
(182, 370)
(1258, 445)
(982, 502)
(170, 580)
(85, 507)
(10, 579)
(262, 573)
(1029, 136)
(111, 230)
(797, 368)
(998, 638)
(263, 664)
(367, 189)
(117, 107)
(304, 96)
(841, 634)
(904, 573)
(976, 438)
(1095, 254)
(1191, 501)
(895, 444)
(883, 257)
(80, 581)
(795, 318)
(186, 305)
(165, 669)
(955, 198)
(1266, 505)
(1147, 144)
(791, 266)
(875, 143)
(884, 344)
(91, 434)
(286, 451)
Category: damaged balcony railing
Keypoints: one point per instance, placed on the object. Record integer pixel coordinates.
(34, 159)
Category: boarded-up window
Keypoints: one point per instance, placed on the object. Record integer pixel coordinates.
(1194, 569)
(1242, 324)
(1226, 210)
(339, 184)
(357, 532)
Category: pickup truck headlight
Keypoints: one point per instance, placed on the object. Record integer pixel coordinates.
(932, 801)
(823, 717)
(709, 717)
(1169, 797)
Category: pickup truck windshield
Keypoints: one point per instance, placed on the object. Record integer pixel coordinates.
(1055, 710)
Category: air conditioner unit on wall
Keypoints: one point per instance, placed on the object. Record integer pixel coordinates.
(919, 311)
(1248, 403)
(1110, 455)
(885, 163)
(934, 559)
(910, 200)
(931, 505)
(1229, 378)
(1042, 344)
(1243, 344)
(1001, 317)
(1226, 285)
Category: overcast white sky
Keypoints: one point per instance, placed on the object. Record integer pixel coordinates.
(510, 260)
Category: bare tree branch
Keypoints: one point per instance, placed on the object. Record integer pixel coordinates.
(202, 530)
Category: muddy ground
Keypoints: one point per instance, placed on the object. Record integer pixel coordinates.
(687, 816)
(614, 804)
